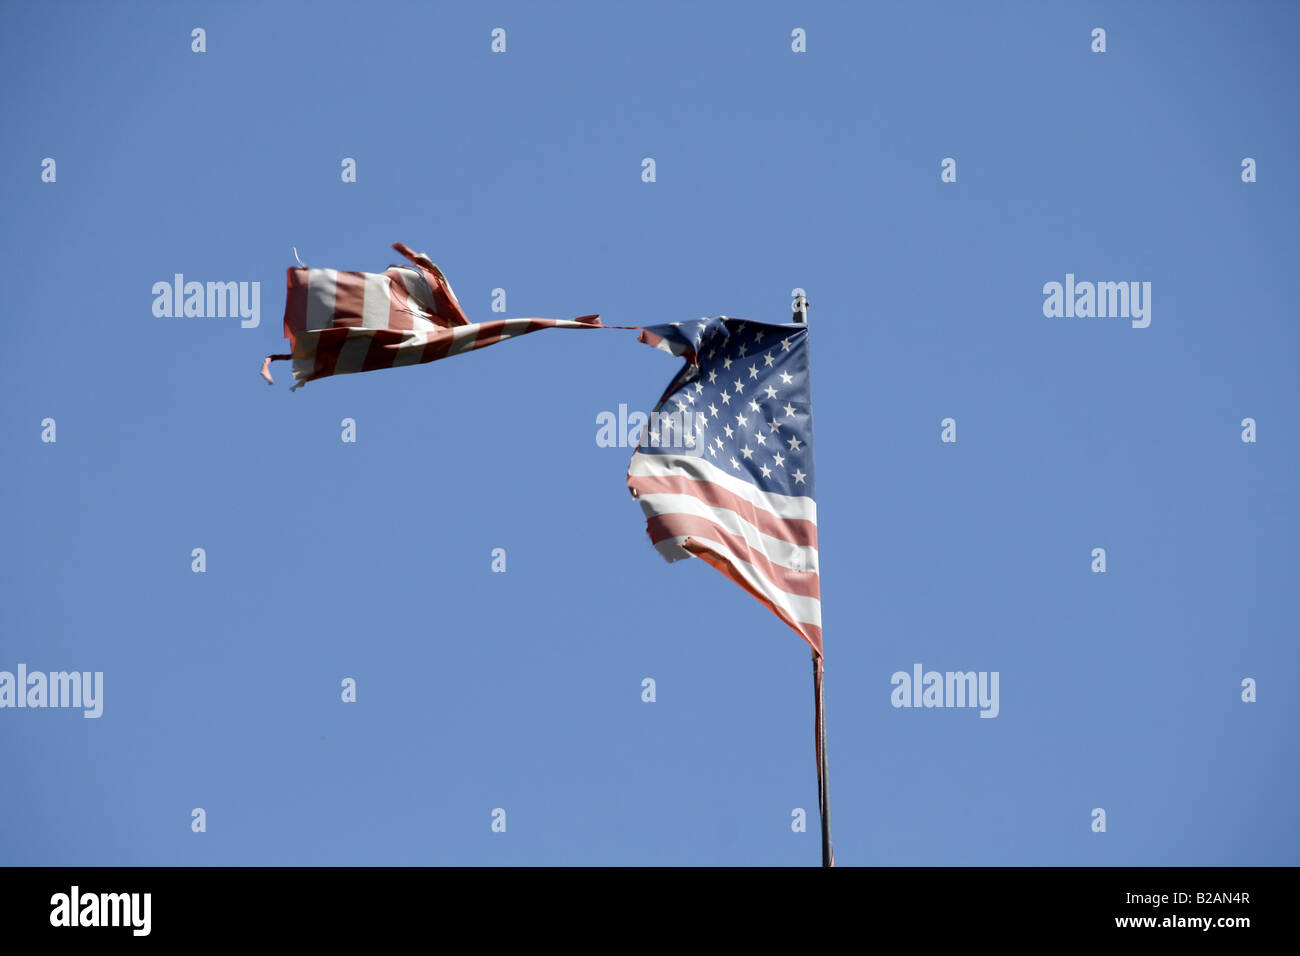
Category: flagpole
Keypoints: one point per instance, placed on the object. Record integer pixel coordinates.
(823, 787)
(801, 306)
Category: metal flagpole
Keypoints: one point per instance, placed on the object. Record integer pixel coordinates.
(823, 787)
(801, 306)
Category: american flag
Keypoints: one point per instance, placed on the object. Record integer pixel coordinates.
(724, 469)
(339, 322)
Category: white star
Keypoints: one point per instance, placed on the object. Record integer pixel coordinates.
(713, 376)
(794, 443)
(747, 452)
(799, 476)
(768, 361)
(754, 406)
(758, 335)
(719, 441)
(741, 420)
(713, 409)
(785, 345)
(726, 399)
(654, 438)
(771, 392)
(753, 371)
(735, 464)
(778, 460)
(786, 378)
(690, 398)
(773, 426)
(726, 364)
(762, 439)
(740, 386)
(767, 472)
(713, 451)
(699, 387)
(741, 351)
(789, 410)
(727, 429)
(681, 406)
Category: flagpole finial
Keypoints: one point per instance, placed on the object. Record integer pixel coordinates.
(801, 307)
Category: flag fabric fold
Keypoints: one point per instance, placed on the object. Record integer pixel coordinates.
(724, 468)
(341, 322)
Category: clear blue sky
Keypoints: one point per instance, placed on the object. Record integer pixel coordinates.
(522, 690)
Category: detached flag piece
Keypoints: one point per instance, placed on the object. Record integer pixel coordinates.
(724, 470)
(339, 322)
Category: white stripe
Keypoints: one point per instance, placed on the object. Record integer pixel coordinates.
(416, 290)
(447, 287)
(513, 328)
(412, 347)
(377, 301)
(666, 344)
(353, 353)
(462, 339)
(685, 466)
(510, 328)
(322, 289)
(777, 550)
(409, 351)
(304, 355)
(803, 610)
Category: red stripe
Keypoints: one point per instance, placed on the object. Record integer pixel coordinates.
(446, 305)
(349, 299)
(422, 299)
(493, 331)
(677, 348)
(490, 333)
(385, 346)
(800, 583)
(399, 308)
(328, 344)
(443, 305)
(649, 338)
(796, 530)
(438, 345)
(809, 632)
(295, 303)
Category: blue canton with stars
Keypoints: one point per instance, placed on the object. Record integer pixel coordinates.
(745, 393)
